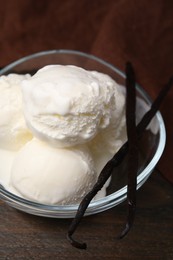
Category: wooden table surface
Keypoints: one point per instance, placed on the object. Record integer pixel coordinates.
(24, 236)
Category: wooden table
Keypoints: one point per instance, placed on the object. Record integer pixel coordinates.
(24, 236)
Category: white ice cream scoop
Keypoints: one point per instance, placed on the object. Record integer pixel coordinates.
(13, 130)
(50, 175)
(67, 105)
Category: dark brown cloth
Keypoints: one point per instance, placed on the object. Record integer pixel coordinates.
(117, 31)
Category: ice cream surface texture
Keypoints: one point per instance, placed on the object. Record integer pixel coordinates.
(52, 176)
(13, 130)
(77, 121)
(67, 105)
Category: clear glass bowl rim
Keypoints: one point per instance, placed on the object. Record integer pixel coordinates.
(116, 195)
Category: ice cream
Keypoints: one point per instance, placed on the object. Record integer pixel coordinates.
(67, 105)
(50, 175)
(77, 120)
(13, 130)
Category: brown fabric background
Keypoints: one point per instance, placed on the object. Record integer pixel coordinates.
(115, 30)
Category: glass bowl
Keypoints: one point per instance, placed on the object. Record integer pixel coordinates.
(151, 144)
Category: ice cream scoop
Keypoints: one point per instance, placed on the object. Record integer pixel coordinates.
(13, 130)
(50, 175)
(68, 105)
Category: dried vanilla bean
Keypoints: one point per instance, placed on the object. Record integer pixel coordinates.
(133, 150)
(111, 164)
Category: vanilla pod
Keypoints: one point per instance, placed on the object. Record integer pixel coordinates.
(114, 162)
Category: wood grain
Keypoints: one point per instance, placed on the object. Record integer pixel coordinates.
(24, 236)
